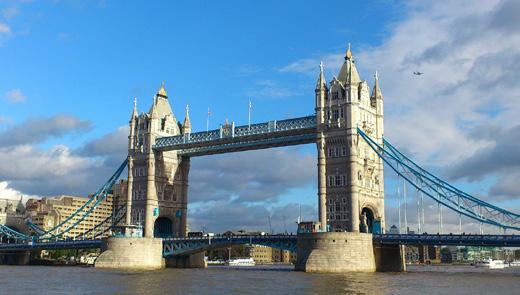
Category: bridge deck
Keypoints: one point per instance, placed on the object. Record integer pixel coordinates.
(184, 245)
(232, 139)
(448, 240)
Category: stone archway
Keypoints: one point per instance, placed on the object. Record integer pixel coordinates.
(367, 221)
(163, 227)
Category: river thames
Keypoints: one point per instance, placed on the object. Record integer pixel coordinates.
(256, 280)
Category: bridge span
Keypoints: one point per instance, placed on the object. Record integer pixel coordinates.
(347, 128)
(184, 246)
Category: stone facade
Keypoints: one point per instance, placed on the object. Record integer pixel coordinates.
(157, 181)
(131, 253)
(46, 213)
(350, 174)
(335, 252)
(12, 214)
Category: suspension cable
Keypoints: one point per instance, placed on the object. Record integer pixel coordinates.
(430, 185)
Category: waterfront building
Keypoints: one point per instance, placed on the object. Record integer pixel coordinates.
(260, 254)
(429, 254)
(9, 207)
(119, 193)
(309, 227)
(393, 230)
(480, 253)
(265, 255)
(283, 256)
(48, 212)
(412, 254)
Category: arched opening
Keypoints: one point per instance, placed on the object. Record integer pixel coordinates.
(367, 221)
(163, 227)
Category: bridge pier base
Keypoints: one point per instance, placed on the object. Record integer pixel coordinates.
(187, 261)
(131, 253)
(345, 252)
(390, 258)
(335, 252)
(15, 258)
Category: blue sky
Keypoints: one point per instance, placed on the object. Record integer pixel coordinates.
(70, 70)
(89, 59)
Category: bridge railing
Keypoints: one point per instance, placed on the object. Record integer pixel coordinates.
(230, 131)
(229, 237)
(448, 239)
(440, 191)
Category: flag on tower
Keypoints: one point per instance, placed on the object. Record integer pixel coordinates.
(249, 114)
(207, 120)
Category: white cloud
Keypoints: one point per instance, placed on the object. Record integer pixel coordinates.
(56, 170)
(309, 66)
(15, 95)
(470, 55)
(7, 192)
(269, 89)
(5, 29)
(35, 130)
(256, 179)
(9, 12)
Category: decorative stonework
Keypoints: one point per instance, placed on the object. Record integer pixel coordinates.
(352, 171)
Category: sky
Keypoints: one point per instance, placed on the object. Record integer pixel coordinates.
(69, 71)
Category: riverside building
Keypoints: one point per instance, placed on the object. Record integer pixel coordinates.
(46, 213)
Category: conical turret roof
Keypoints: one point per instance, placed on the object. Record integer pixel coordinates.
(348, 74)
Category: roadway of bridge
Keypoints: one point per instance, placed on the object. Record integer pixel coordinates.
(203, 242)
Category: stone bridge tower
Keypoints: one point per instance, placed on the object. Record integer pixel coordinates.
(350, 174)
(157, 181)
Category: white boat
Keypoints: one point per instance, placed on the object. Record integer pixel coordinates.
(491, 264)
(90, 260)
(241, 262)
(514, 263)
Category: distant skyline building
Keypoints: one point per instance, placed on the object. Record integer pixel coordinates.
(12, 214)
(393, 230)
(49, 212)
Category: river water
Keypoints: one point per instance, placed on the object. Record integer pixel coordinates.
(256, 280)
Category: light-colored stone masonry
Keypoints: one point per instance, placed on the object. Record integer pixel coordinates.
(335, 252)
(131, 253)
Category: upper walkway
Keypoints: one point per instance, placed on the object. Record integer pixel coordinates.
(229, 138)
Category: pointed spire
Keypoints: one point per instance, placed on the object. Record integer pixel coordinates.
(134, 112)
(186, 126)
(376, 91)
(348, 54)
(321, 83)
(153, 110)
(348, 72)
(162, 91)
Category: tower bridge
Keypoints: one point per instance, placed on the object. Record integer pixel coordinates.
(350, 234)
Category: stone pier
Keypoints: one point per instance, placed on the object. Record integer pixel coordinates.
(390, 258)
(187, 261)
(15, 258)
(345, 252)
(131, 253)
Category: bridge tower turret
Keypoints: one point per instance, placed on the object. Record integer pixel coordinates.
(321, 97)
(186, 126)
(157, 181)
(350, 175)
(131, 146)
